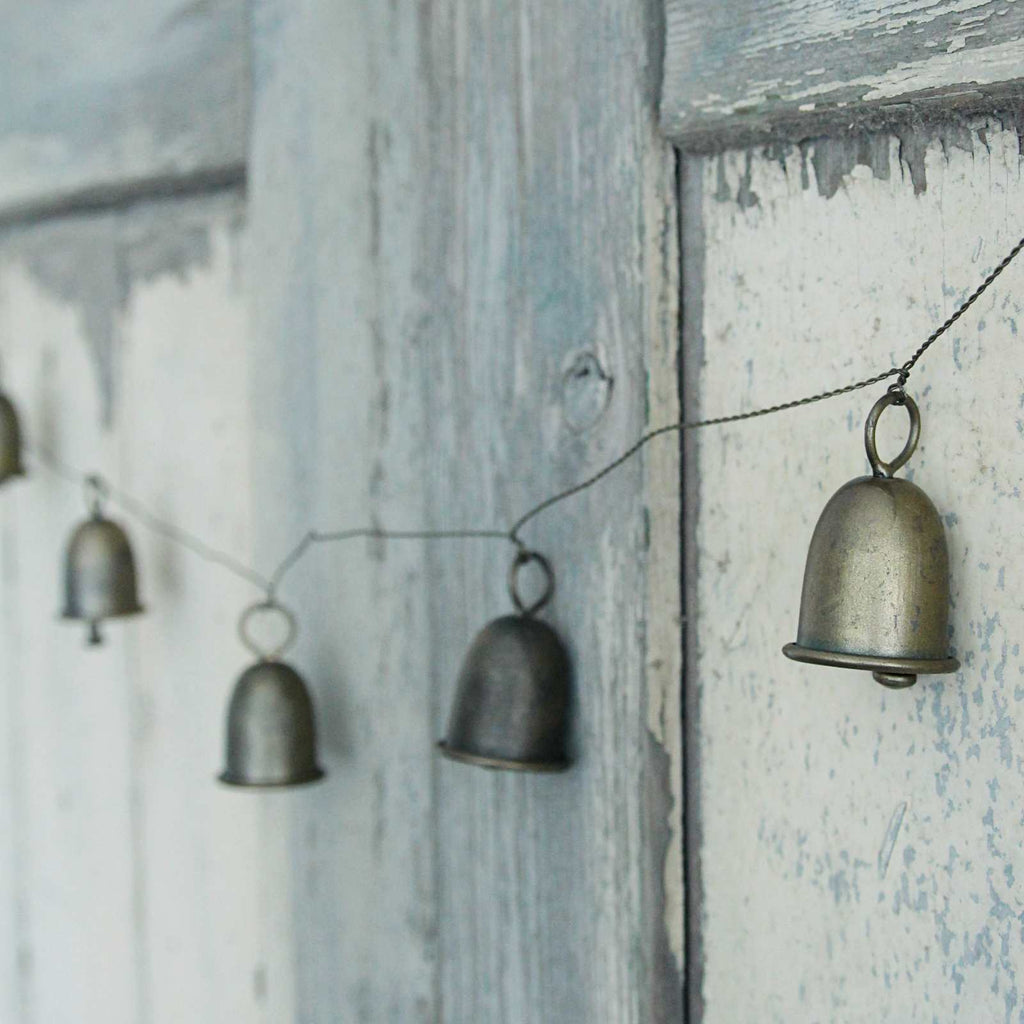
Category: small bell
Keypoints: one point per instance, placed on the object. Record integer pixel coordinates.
(271, 729)
(10, 441)
(511, 707)
(99, 569)
(876, 584)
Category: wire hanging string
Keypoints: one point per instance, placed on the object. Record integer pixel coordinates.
(139, 512)
(270, 584)
(900, 372)
(372, 532)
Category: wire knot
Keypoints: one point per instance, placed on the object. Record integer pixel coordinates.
(897, 390)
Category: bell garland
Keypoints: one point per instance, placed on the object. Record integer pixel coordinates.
(876, 583)
(511, 707)
(875, 597)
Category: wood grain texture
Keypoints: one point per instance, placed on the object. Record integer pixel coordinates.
(550, 236)
(98, 97)
(743, 68)
(871, 835)
(453, 291)
(336, 204)
(136, 885)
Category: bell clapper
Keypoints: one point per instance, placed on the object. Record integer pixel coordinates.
(95, 637)
(894, 680)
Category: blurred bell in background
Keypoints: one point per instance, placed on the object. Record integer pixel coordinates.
(100, 579)
(271, 726)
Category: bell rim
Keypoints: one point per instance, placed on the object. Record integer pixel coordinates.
(13, 474)
(870, 662)
(68, 615)
(485, 761)
(236, 781)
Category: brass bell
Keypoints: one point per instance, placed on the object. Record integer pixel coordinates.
(876, 584)
(511, 707)
(99, 569)
(10, 441)
(271, 728)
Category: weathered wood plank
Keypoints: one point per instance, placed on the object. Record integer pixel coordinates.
(336, 199)
(96, 98)
(460, 280)
(550, 269)
(136, 882)
(742, 68)
(872, 835)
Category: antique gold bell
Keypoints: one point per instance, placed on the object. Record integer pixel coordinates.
(876, 584)
(99, 569)
(10, 441)
(271, 728)
(511, 707)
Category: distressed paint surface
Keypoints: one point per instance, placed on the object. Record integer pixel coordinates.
(871, 835)
(96, 96)
(448, 289)
(830, 61)
(559, 897)
(134, 889)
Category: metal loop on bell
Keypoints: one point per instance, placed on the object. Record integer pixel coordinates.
(97, 492)
(524, 557)
(267, 605)
(879, 467)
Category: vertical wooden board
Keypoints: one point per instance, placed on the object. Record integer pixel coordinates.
(870, 834)
(137, 884)
(207, 855)
(69, 735)
(747, 67)
(548, 263)
(336, 196)
(98, 96)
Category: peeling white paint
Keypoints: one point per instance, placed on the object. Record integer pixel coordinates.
(873, 836)
(874, 51)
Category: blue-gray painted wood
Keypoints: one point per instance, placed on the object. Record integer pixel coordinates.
(742, 69)
(449, 288)
(100, 98)
(871, 835)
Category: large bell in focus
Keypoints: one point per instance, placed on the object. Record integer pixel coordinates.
(511, 707)
(99, 573)
(10, 442)
(271, 733)
(876, 583)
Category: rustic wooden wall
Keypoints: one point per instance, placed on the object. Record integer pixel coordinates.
(113, 98)
(859, 849)
(440, 284)
(738, 69)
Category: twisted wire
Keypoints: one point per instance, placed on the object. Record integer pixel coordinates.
(270, 584)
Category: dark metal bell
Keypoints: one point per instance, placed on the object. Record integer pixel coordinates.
(10, 441)
(511, 704)
(271, 732)
(876, 583)
(99, 574)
